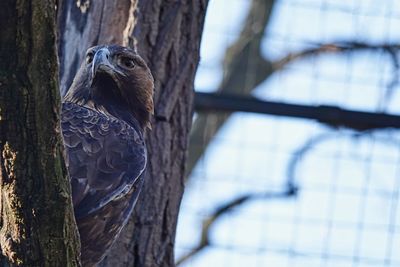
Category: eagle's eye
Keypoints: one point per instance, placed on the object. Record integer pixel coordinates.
(127, 62)
(89, 57)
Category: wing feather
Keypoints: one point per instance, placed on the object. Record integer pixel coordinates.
(104, 156)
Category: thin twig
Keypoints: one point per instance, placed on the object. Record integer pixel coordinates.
(338, 47)
(226, 208)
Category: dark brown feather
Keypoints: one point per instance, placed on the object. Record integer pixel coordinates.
(104, 116)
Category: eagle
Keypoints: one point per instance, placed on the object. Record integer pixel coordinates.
(104, 116)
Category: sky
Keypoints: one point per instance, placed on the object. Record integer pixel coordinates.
(347, 212)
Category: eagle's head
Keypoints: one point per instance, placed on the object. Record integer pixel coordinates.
(116, 80)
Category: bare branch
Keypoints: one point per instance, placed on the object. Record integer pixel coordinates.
(226, 208)
(202, 132)
(333, 116)
(300, 153)
(338, 47)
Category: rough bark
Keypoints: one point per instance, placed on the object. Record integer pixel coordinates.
(37, 226)
(167, 34)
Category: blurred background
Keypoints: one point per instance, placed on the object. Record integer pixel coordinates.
(312, 177)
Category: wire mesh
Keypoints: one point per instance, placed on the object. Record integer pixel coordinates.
(344, 209)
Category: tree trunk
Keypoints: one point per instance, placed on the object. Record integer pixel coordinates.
(236, 80)
(167, 35)
(37, 225)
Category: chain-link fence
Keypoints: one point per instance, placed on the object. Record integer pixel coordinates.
(267, 190)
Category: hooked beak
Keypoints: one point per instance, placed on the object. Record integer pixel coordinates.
(101, 63)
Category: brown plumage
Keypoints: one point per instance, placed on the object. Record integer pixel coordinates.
(104, 116)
